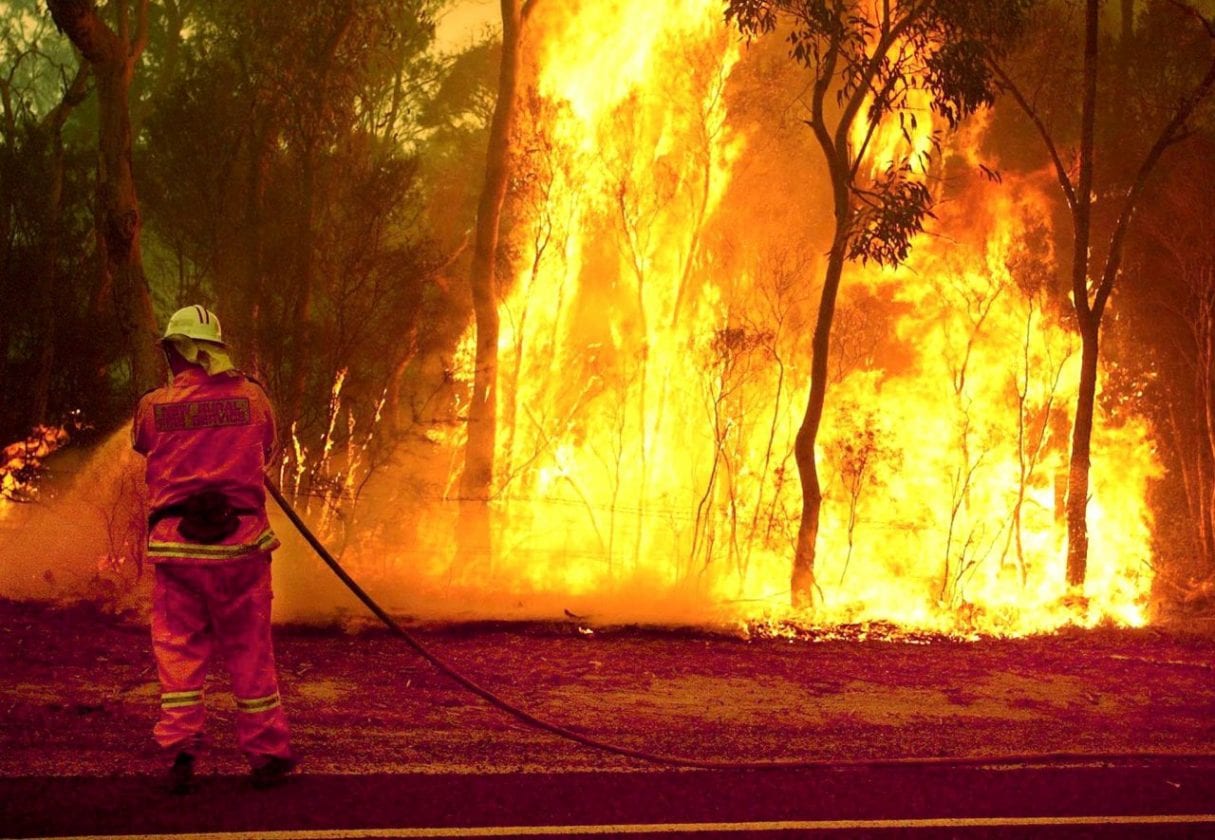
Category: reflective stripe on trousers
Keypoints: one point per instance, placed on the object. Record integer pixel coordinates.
(180, 699)
(258, 704)
(195, 610)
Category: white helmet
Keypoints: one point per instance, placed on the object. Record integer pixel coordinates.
(196, 323)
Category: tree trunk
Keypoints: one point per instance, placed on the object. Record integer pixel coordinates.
(1126, 14)
(48, 296)
(802, 581)
(1087, 320)
(112, 57)
(1078, 468)
(476, 483)
(121, 226)
(8, 136)
(477, 480)
(262, 149)
(301, 311)
(1205, 368)
(8, 133)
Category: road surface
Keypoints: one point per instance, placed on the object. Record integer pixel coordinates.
(1160, 798)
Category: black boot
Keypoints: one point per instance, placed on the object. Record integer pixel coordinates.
(273, 771)
(181, 774)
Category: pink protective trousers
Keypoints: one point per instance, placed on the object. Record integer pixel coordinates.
(196, 608)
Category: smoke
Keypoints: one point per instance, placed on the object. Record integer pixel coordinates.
(82, 541)
(400, 540)
(80, 538)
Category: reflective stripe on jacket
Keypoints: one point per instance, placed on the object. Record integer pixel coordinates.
(200, 433)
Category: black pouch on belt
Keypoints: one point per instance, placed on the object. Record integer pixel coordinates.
(206, 517)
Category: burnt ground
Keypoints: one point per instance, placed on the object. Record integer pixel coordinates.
(78, 696)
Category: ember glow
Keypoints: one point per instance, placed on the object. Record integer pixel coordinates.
(655, 356)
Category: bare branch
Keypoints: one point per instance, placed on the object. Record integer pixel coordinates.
(72, 96)
(1165, 139)
(1065, 181)
(141, 31)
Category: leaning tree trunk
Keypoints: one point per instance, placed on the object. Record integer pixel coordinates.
(476, 482)
(48, 296)
(112, 56)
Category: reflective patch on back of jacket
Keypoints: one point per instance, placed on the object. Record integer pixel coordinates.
(202, 414)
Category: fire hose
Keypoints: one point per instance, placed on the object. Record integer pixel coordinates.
(677, 760)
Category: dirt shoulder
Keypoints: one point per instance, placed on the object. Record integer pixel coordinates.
(78, 696)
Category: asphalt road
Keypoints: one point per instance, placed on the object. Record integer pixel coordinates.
(1157, 799)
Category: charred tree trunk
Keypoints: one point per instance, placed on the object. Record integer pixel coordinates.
(263, 142)
(802, 581)
(240, 254)
(1080, 462)
(301, 311)
(112, 56)
(8, 140)
(50, 255)
(119, 240)
(1204, 493)
(1088, 321)
(476, 482)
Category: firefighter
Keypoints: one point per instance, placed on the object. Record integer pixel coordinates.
(207, 437)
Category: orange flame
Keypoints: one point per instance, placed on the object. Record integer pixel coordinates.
(21, 462)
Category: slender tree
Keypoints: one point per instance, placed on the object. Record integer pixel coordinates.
(1092, 282)
(477, 480)
(864, 59)
(52, 124)
(112, 53)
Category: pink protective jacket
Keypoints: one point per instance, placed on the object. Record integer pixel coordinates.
(206, 432)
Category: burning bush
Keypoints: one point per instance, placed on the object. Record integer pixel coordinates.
(22, 462)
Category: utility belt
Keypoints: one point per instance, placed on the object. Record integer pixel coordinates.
(206, 517)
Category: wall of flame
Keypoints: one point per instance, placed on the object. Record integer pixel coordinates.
(655, 349)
